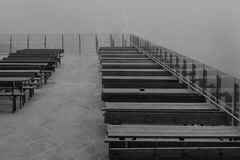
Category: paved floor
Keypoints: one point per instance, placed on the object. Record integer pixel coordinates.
(63, 121)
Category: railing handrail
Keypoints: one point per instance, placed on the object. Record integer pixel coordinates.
(218, 102)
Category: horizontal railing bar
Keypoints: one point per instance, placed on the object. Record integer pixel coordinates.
(186, 82)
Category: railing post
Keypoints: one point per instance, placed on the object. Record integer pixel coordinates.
(161, 54)
(184, 68)
(204, 80)
(157, 53)
(235, 100)
(130, 40)
(193, 72)
(165, 57)
(171, 61)
(177, 64)
(28, 42)
(96, 41)
(45, 41)
(62, 41)
(111, 41)
(79, 44)
(10, 44)
(153, 51)
(218, 87)
(122, 40)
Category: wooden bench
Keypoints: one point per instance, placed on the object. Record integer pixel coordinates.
(164, 113)
(35, 75)
(172, 142)
(34, 56)
(14, 87)
(130, 66)
(47, 72)
(132, 55)
(43, 66)
(125, 60)
(135, 72)
(151, 95)
(117, 49)
(141, 82)
(51, 63)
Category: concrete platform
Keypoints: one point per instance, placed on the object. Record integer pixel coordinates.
(63, 121)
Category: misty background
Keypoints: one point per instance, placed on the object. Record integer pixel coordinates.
(205, 30)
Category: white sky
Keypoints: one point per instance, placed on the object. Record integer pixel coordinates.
(207, 30)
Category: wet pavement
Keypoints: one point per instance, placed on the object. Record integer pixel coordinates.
(63, 121)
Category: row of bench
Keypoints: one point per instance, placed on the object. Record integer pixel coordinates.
(152, 115)
(25, 70)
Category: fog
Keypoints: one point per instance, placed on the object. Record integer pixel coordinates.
(206, 30)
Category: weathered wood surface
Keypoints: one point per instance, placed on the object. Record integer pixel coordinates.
(172, 131)
(132, 55)
(150, 65)
(159, 106)
(125, 60)
(135, 72)
(151, 95)
(159, 91)
(163, 113)
(121, 78)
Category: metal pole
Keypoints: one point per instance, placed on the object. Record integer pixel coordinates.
(204, 81)
(165, 57)
(96, 41)
(80, 47)
(235, 101)
(184, 68)
(28, 42)
(177, 64)
(171, 61)
(62, 41)
(45, 41)
(130, 40)
(111, 45)
(161, 54)
(218, 85)
(10, 49)
(193, 72)
(122, 40)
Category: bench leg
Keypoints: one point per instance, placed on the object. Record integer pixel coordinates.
(45, 79)
(24, 100)
(14, 108)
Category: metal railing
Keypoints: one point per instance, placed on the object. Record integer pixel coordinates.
(79, 43)
(217, 87)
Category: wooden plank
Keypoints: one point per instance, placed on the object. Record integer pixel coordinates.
(172, 131)
(14, 79)
(150, 65)
(138, 78)
(147, 84)
(135, 72)
(133, 55)
(151, 95)
(123, 58)
(22, 64)
(109, 106)
(159, 91)
(181, 153)
(20, 71)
